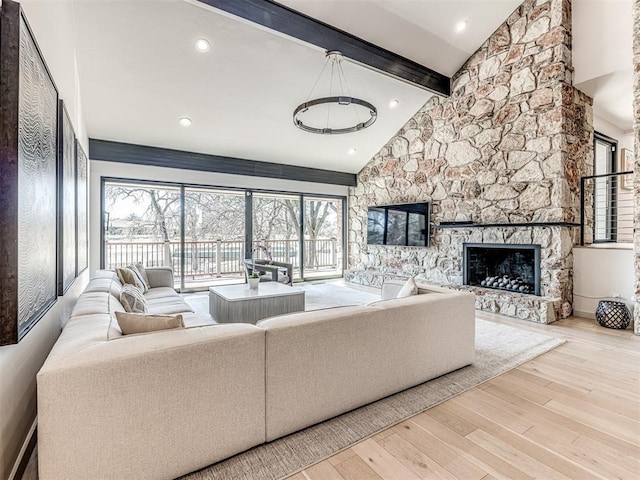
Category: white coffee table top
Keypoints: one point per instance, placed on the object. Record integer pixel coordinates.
(267, 289)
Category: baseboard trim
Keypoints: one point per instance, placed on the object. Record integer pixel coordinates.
(591, 315)
(25, 452)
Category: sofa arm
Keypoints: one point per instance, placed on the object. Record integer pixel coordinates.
(160, 277)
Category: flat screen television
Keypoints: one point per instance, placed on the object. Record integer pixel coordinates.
(405, 224)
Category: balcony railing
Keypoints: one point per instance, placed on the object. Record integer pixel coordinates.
(607, 208)
(218, 258)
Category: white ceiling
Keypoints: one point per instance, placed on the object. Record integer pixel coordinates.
(421, 30)
(603, 57)
(140, 73)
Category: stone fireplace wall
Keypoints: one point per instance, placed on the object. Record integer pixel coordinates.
(508, 146)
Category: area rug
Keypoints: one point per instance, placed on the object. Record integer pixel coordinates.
(329, 295)
(317, 296)
(499, 348)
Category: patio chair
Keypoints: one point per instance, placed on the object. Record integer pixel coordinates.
(269, 271)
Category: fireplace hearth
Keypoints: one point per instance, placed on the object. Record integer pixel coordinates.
(509, 267)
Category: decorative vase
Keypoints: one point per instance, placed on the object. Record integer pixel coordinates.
(253, 283)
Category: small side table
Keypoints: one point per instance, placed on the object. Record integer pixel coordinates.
(613, 314)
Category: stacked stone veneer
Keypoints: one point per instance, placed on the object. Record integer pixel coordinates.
(508, 146)
(636, 129)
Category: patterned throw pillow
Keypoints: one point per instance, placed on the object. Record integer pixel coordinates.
(131, 323)
(140, 281)
(126, 276)
(143, 271)
(133, 300)
(132, 276)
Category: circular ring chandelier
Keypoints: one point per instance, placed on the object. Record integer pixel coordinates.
(335, 59)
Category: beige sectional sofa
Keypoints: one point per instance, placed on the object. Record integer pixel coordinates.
(163, 404)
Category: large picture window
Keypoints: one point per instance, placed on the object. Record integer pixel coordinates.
(205, 233)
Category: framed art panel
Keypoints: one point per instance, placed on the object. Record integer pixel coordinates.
(66, 200)
(28, 181)
(82, 224)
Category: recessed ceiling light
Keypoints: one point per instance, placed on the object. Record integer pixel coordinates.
(394, 103)
(460, 26)
(185, 122)
(202, 45)
(352, 151)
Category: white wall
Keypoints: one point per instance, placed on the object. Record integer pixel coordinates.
(597, 28)
(53, 26)
(625, 139)
(51, 23)
(600, 272)
(101, 169)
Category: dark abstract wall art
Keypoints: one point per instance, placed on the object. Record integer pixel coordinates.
(82, 223)
(28, 156)
(66, 200)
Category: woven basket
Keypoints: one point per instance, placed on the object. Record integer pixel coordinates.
(613, 314)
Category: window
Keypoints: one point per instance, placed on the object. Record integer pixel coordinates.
(604, 189)
(202, 232)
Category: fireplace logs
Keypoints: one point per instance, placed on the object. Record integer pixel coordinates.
(507, 282)
(509, 267)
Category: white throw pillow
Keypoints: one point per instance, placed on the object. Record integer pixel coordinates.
(408, 289)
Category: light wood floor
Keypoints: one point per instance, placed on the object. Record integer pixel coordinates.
(572, 413)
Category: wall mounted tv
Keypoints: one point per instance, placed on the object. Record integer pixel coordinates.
(405, 224)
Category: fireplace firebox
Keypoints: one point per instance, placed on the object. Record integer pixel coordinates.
(514, 268)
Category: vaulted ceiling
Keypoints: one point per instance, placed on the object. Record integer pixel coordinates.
(140, 73)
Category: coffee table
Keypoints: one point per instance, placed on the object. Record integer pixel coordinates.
(239, 304)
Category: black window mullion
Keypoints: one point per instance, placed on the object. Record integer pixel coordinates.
(301, 237)
(248, 227)
(182, 237)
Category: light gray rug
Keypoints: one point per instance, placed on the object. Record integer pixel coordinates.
(316, 296)
(329, 295)
(499, 348)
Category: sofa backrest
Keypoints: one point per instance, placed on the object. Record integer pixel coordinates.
(326, 362)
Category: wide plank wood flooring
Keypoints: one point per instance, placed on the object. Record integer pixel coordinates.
(572, 413)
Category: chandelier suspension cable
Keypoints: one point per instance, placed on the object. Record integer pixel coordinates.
(342, 77)
(324, 67)
(332, 59)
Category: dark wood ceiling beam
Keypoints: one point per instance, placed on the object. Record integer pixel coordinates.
(163, 157)
(289, 22)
